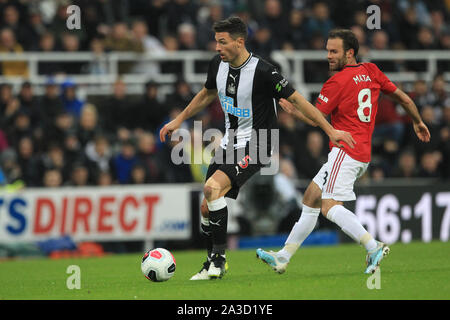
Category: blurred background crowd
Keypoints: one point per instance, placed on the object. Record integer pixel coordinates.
(57, 138)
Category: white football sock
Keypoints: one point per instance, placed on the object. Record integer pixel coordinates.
(301, 230)
(351, 226)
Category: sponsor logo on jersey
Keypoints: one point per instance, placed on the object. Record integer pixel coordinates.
(323, 98)
(283, 83)
(228, 106)
(231, 89)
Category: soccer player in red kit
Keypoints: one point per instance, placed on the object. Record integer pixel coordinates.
(350, 96)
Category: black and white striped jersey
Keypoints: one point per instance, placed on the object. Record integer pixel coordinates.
(248, 97)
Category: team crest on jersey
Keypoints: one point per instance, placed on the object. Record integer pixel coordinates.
(231, 88)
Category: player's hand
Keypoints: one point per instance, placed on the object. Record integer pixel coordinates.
(422, 131)
(168, 129)
(287, 106)
(344, 136)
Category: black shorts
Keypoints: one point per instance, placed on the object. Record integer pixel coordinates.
(239, 170)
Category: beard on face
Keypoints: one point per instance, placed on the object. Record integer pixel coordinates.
(339, 64)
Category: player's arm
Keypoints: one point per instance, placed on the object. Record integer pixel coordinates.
(289, 108)
(409, 106)
(312, 113)
(201, 100)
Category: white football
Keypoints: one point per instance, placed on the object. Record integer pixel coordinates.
(158, 265)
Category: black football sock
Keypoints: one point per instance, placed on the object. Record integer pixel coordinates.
(207, 235)
(218, 222)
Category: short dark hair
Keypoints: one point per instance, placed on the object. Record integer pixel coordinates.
(233, 25)
(348, 38)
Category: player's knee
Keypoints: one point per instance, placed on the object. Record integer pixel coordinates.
(211, 191)
(325, 208)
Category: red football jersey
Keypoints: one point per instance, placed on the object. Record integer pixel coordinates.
(351, 97)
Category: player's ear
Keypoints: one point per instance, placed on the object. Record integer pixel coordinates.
(240, 42)
(350, 53)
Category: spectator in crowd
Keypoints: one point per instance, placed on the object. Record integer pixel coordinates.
(171, 44)
(420, 9)
(406, 166)
(187, 37)
(138, 174)
(37, 28)
(297, 36)
(20, 127)
(429, 118)
(122, 163)
(11, 21)
(51, 102)
(419, 94)
(438, 94)
(179, 12)
(150, 111)
(311, 158)
(54, 158)
(182, 96)
(362, 40)
(58, 25)
(79, 176)
(9, 105)
(71, 44)
(104, 178)
(276, 22)
(316, 71)
(30, 103)
(71, 103)
(98, 155)
(120, 39)
(47, 44)
(72, 148)
(205, 34)
(408, 28)
(390, 27)
(291, 135)
(150, 158)
(8, 44)
(98, 65)
(52, 178)
(28, 161)
(118, 111)
(63, 125)
(429, 163)
(150, 44)
(425, 39)
(88, 126)
(262, 43)
(10, 168)
(380, 41)
(320, 21)
(389, 124)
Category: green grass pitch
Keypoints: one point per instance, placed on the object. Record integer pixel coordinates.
(411, 271)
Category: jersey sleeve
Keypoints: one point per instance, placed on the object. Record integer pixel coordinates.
(213, 68)
(386, 85)
(277, 85)
(328, 97)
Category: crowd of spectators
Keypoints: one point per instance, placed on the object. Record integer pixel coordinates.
(59, 139)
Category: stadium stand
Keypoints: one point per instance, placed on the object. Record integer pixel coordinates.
(83, 107)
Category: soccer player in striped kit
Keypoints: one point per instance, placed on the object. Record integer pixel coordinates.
(351, 98)
(248, 88)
